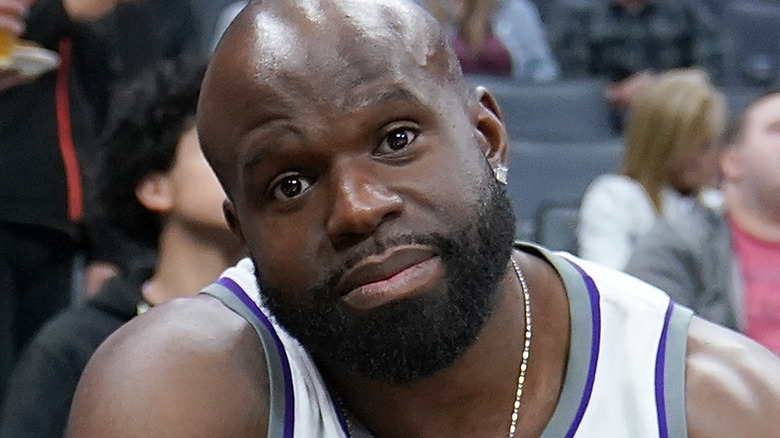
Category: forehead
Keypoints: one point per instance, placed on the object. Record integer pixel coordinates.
(295, 33)
(766, 110)
(346, 41)
(319, 57)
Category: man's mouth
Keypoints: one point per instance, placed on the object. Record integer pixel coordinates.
(395, 274)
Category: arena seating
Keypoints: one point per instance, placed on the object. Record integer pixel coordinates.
(553, 174)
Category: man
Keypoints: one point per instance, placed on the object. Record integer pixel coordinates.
(360, 176)
(725, 264)
(156, 185)
(626, 41)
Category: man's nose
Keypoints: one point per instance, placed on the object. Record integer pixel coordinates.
(361, 202)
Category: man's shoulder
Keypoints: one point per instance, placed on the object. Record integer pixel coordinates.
(732, 384)
(199, 323)
(184, 331)
(191, 358)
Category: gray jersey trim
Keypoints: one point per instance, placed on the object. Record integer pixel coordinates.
(584, 345)
(281, 407)
(674, 372)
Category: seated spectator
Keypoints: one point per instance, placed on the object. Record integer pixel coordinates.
(724, 263)
(670, 157)
(502, 38)
(156, 186)
(625, 41)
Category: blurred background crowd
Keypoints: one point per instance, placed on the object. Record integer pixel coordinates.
(623, 116)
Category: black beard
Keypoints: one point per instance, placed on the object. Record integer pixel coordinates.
(413, 338)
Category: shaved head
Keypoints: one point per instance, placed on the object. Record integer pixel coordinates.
(351, 151)
(316, 50)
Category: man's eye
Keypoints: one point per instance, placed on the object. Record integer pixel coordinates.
(397, 140)
(290, 187)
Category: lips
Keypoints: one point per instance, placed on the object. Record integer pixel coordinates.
(395, 274)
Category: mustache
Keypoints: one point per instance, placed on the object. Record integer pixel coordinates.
(443, 246)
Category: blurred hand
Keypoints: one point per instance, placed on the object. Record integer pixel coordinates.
(621, 94)
(87, 10)
(96, 274)
(12, 16)
(12, 78)
(12, 22)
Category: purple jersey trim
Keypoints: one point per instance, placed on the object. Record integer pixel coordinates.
(289, 405)
(342, 419)
(595, 311)
(660, 362)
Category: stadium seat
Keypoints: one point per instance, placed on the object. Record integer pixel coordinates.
(738, 98)
(754, 33)
(556, 226)
(567, 111)
(554, 173)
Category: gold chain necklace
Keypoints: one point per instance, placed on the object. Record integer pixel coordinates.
(523, 361)
(526, 348)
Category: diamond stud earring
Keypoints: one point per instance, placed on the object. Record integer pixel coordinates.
(501, 172)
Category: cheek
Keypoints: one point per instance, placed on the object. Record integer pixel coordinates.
(445, 185)
(283, 249)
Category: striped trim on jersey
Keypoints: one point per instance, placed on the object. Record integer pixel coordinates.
(281, 415)
(670, 373)
(585, 314)
(585, 343)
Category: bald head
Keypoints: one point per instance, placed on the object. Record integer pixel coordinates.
(314, 51)
(342, 129)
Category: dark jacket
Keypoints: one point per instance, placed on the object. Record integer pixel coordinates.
(40, 133)
(691, 258)
(34, 142)
(41, 388)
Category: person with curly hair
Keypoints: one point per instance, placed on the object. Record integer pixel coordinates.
(156, 186)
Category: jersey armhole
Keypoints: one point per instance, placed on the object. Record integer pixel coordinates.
(281, 398)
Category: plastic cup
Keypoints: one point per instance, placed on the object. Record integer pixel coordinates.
(7, 44)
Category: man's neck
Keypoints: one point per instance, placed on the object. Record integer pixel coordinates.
(187, 262)
(479, 389)
(758, 218)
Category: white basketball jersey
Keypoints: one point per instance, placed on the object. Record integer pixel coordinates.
(625, 375)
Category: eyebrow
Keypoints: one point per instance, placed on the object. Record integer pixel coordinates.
(256, 155)
(382, 96)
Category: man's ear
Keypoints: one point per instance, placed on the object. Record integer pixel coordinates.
(232, 220)
(490, 129)
(155, 193)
